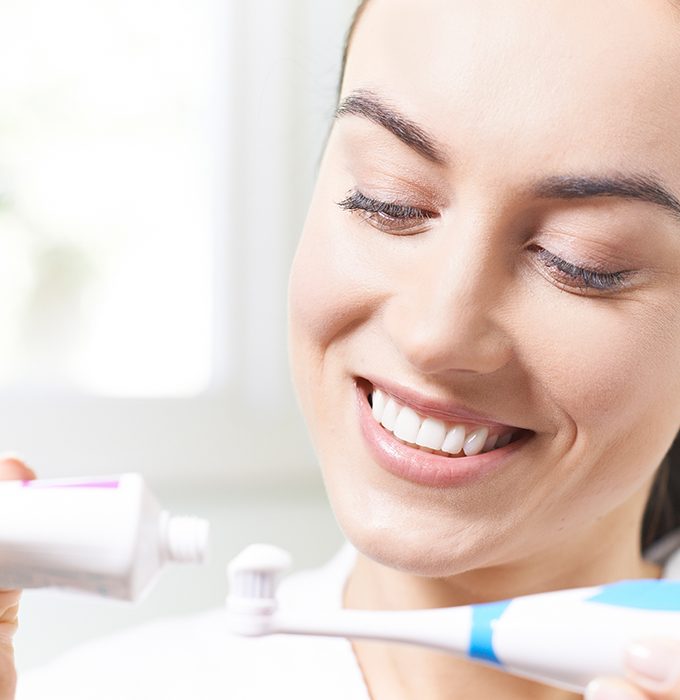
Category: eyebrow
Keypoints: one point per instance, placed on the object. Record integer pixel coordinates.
(641, 187)
(364, 103)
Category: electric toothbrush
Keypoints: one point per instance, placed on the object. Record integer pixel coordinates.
(564, 638)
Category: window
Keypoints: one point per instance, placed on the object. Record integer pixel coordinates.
(155, 164)
(107, 162)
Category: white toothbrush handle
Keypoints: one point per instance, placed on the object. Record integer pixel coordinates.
(570, 644)
(446, 629)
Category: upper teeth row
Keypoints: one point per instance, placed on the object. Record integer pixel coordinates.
(432, 433)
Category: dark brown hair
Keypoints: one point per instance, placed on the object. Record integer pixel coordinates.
(348, 40)
(662, 513)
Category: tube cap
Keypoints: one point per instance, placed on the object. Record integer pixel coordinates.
(187, 539)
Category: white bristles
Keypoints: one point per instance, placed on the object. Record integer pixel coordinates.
(254, 572)
(253, 577)
(252, 584)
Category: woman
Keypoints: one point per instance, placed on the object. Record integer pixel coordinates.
(484, 314)
(494, 241)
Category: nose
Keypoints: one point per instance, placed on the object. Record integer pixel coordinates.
(446, 312)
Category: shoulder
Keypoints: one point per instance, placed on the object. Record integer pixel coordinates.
(136, 663)
(195, 656)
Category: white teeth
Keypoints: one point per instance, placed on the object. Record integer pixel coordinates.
(379, 401)
(504, 440)
(453, 442)
(408, 424)
(475, 441)
(431, 434)
(389, 416)
(490, 443)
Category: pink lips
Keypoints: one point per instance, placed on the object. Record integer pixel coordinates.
(431, 407)
(423, 467)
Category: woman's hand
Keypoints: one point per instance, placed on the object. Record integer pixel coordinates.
(652, 673)
(10, 468)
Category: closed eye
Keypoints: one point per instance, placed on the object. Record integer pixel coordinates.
(391, 217)
(581, 277)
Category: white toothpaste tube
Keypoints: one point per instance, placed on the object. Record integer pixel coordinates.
(103, 535)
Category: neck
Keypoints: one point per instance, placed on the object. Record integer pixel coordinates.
(608, 551)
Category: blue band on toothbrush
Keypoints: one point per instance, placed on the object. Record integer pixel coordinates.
(644, 594)
(481, 635)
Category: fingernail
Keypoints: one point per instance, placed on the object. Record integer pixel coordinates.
(654, 659)
(603, 690)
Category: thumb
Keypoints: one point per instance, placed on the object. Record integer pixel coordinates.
(9, 605)
(653, 665)
(652, 673)
(13, 467)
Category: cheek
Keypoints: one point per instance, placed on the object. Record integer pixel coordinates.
(613, 369)
(330, 285)
(328, 296)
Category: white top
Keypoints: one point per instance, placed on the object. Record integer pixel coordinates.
(195, 657)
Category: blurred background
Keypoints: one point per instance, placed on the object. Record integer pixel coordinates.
(156, 160)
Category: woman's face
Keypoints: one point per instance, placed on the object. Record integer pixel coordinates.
(515, 144)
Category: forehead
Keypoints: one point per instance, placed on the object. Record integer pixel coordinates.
(563, 78)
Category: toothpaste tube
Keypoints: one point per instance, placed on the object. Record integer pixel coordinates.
(103, 535)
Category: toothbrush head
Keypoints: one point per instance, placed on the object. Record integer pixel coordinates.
(253, 578)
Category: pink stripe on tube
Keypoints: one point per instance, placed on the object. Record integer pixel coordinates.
(48, 484)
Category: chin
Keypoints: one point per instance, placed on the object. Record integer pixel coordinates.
(433, 553)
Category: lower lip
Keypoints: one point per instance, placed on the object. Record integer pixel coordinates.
(423, 467)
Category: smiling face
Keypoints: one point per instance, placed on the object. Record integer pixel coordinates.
(492, 243)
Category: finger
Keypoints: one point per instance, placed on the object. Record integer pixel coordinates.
(613, 689)
(9, 606)
(653, 665)
(13, 467)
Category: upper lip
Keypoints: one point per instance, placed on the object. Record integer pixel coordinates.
(443, 409)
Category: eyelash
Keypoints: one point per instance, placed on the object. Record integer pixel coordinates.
(390, 213)
(589, 279)
(398, 219)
